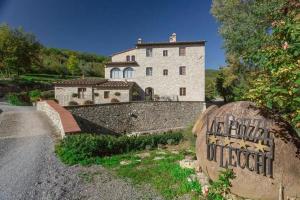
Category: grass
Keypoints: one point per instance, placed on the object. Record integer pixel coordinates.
(37, 78)
(45, 78)
(164, 175)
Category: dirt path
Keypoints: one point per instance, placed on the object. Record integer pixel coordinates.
(29, 168)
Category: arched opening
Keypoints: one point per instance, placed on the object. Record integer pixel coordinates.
(115, 73)
(149, 93)
(128, 72)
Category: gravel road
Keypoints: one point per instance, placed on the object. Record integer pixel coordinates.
(29, 168)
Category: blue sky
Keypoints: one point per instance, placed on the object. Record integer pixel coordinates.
(108, 26)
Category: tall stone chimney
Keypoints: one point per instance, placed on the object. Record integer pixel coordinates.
(173, 38)
(139, 41)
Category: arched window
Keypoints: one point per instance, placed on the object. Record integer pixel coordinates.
(115, 73)
(128, 72)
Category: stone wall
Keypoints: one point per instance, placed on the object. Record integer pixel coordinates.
(61, 118)
(136, 117)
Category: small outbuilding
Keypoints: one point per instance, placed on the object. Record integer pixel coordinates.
(95, 91)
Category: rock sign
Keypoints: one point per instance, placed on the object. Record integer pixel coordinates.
(262, 150)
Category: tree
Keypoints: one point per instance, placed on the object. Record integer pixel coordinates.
(244, 26)
(19, 51)
(72, 64)
(264, 37)
(277, 85)
(210, 84)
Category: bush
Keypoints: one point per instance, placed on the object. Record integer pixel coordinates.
(18, 99)
(14, 99)
(85, 148)
(47, 94)
(34, 95)
(114, 100)
(74, 95)
(88, 102)
(73, 103)
(221, 187)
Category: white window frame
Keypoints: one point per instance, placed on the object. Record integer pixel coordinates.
(115, 73)
(149, 52)
(149, 71)
(128, 72)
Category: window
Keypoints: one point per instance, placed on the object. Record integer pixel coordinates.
(149, 52)
(181, 51)
(132, 58)
(81, 92)
(165, 52)
(127, 58)
(149, 71)
(182, 70)
(106, 94)
(115, 73)
(128, 72)
(165, 72)
(182, 91)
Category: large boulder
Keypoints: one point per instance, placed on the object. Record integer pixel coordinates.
(262, 150)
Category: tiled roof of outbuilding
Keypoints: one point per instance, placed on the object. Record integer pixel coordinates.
(97, 83)
(84, 81)
(112, 64)
(115, 85)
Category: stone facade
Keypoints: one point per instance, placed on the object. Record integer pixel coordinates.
(64, 95)
(167, 87)
(120, 95)
(136, 117)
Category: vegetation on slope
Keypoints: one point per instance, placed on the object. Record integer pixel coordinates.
(22, 53)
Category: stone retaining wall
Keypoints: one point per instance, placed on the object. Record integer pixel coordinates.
(61, 118)
(136, 117)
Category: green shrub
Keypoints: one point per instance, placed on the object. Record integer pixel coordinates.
(47, 94)
(88, 102)
(18, 99)
(14, 99)
(114, 100)
(73, 103)
(34, 95)
(84, 148)
(221, 186)
(117, 94)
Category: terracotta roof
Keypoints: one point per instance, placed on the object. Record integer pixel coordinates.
(97, 83)
(201, 42)
(112, 64)
(68, 122)
(79, 82)
(115, 85)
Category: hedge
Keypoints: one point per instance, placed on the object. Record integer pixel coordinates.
(84, 147)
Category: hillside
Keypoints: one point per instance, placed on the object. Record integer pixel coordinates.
(54, 61)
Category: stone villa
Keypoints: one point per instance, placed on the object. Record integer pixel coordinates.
(160, 71)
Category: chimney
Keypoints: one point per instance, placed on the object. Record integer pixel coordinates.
(173, 38)
(139, 41)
